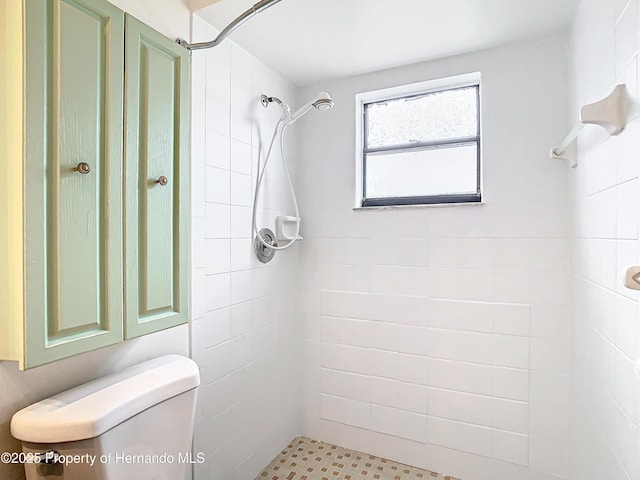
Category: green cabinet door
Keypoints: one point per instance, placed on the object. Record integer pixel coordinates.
(73, 177)
(156, 181)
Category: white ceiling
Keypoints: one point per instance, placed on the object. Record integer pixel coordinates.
(313, 40)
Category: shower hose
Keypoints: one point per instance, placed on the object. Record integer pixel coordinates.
(260, 179)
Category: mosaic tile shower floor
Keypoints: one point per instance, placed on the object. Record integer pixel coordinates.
(307, 459)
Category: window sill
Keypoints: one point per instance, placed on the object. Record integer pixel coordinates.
(422, 205)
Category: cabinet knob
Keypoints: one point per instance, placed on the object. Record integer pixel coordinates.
(163, 180)
(83, 168)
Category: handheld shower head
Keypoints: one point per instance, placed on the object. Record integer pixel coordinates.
(322, 101)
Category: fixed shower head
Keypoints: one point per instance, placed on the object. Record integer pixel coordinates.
(322, 101)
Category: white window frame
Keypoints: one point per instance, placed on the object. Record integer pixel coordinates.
(420, 88)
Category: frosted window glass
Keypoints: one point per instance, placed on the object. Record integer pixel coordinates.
(425, 172)
(431, 117)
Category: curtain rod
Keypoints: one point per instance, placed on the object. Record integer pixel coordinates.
(257, 8)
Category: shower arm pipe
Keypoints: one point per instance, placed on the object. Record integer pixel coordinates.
(251, 12)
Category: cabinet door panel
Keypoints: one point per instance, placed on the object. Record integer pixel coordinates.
(74, 108)
(157, 214)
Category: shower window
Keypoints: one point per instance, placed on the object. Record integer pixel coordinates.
(420, 144)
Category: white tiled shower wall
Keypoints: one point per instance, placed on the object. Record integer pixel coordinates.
(605, 439)
(244, 326)
(439, 336)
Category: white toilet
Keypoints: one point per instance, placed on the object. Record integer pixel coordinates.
(133, 425)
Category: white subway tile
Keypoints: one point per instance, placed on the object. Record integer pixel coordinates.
(474, 253)
(356, 360)
(346, 304)
(347, 385)
(218, 116)
(331, 356)
(462, 407)
(548, 421)
(625, 37)
(510, 415)
(400, 309)
(399, 251)
(510, 447)
(218, 87)
(550, 322)
(386, 364)
(332, 330)
(627, 210)
(393, 280)
(550, 355)
(349, 278)
(460, 315)
(218, 220)
(242, 318)
(549, 388)
(218, 150)
(464, 377)
(532, 254)
(628, 145)
(240, 157)
(416, 340)
(460, 436)
(240, 193)
(356, 332)
(511, 351)
(218, 327)
(243, 286)
(550, 288)
(405, 396)
(218, 291)
(218, 185)
(461, 346)
(349, 251)
(461, 284)
(513, 287)
(243, 256)
(412, 368)
(401, 423)
(218, 256)
(511, 319)
(383, 336)
(626, 389)
(344, 410)
(627, 326)
(596, 215)
(511, 383)
(549, 456)
(241, 222)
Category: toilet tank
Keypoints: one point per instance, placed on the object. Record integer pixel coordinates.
(136, 424)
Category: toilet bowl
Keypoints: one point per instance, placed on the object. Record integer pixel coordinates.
(136, 424)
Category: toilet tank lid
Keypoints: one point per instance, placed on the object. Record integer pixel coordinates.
(93, 408)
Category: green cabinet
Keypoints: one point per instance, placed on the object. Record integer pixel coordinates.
(105, 115)
(157, 173)
(73, 177)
